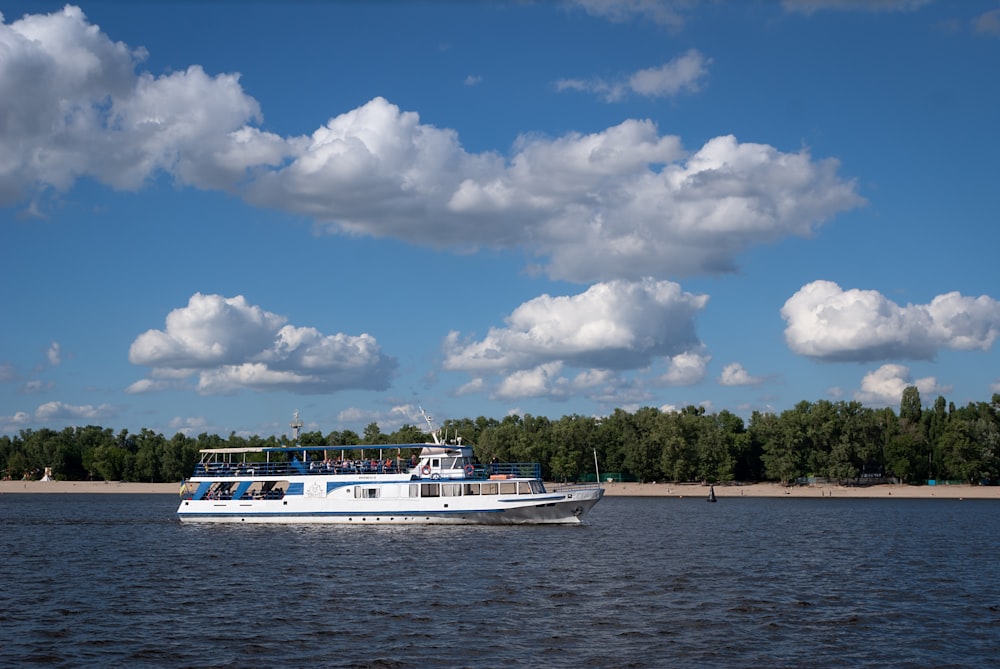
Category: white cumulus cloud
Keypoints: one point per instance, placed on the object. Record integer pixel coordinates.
(734, 374)
(622, 202)
(611, 327)
(826, 322)
(686, 369)
(52, 412)
(229, 345)
(74, 106)
(885, 386)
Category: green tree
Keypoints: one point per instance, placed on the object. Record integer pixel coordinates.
(909, 405)
(679, 454)
(373, 435)
(316, 438)
(408, 434)
(149, 450)
(783, 441)
(719, 442)
(573, 438)
(505, 442)
(644, 447)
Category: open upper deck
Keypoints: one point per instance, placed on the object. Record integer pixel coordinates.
(433, 461)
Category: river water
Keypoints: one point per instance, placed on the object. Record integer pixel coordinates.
(115, 580)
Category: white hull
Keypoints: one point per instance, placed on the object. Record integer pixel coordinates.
(556, 507)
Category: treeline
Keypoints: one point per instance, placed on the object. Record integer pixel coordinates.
(841, 441)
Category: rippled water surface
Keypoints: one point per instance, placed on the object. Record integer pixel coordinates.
(115, 580)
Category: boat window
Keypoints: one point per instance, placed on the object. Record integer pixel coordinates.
(430, 490)
(414, 490)
(508, 488)
(435, 462)
(537, 487)
(451, 489)
(365, 493)
(267, 490)
(471, 489)
(489, 488)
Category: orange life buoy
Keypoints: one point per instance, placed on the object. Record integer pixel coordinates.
(425, 470)
(469, 470)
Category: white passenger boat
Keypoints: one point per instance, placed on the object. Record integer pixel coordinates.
(430, 483)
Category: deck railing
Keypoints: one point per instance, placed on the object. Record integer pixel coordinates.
(295, 468)
(298, 468)
(508, 469)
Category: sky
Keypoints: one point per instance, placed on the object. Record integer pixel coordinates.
(213, 215)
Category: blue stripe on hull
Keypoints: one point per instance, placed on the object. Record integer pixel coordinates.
(343, 514)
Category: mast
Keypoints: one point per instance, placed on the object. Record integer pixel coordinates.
(430, 425)
(597, 470)
(295, 425)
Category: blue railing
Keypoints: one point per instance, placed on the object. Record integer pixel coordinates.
(511, 469)
(297, 468)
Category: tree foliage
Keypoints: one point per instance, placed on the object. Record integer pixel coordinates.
(841, 441)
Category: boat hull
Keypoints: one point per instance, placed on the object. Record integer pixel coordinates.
(556, 507)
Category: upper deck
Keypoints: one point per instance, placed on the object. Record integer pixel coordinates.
(434, 461)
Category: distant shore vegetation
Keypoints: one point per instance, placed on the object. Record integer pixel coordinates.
(841, 441)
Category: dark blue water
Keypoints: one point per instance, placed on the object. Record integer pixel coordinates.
(114, 580)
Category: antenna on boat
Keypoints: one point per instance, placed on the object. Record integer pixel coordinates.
(597, 469)
(430, 424)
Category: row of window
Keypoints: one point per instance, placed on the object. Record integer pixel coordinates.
(449, 489)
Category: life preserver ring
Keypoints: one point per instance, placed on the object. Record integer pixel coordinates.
(469, 470)
(425, 470)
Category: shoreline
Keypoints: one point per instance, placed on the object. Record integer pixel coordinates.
(44, 487)
(678, 490)
(884, 490)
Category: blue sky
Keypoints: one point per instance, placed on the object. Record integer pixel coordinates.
(215, 214)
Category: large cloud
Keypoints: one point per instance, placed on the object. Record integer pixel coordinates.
(828, 323)
(611, 327)
(625, 202)
(231, 345)
(73, 106)
(622, 202)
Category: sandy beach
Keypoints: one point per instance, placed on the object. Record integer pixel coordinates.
(611, 489)
(87, 487)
